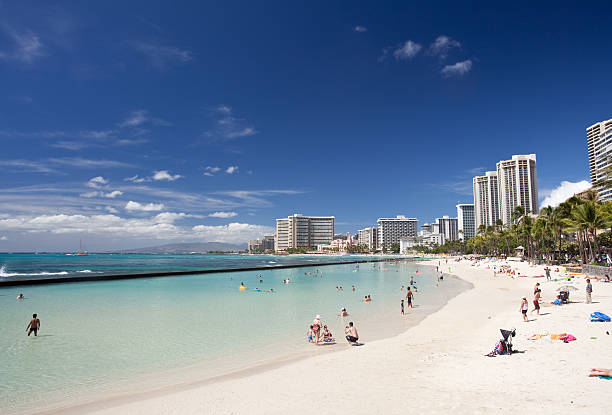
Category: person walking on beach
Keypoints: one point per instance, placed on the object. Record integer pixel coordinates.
(351, 333)
(524, 308)
(402, 305)
(547, 270)
(409, 297)
(34, 325)
(589, 290)
(536, 301)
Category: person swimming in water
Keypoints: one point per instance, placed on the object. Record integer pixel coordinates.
(20, 296)
(343, 312)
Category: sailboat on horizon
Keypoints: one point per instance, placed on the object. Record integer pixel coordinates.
(81, 253)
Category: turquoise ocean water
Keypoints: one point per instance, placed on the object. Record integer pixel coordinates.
(100, 339)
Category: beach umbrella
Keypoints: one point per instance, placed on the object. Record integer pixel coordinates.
(567, 288)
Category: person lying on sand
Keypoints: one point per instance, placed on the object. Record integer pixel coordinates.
(600, 372)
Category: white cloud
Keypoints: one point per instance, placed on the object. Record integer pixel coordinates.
(27, 46)
(231, 169)
(233, 232)
(87, 163)
(95, 193)
(97, 182)
(563, 192)
(28, 166)
(161, 226)
(407, 51)
(111, 209)
(360, 29)
(3, 238)
(223, 215)
(442, 46)
(113, 194)
(210, 170)
(458, 69)
(135, 119)
(136, 179)
(164, 175)
(228, 126)
(150, 207)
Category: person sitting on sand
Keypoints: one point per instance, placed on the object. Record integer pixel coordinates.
(557, 301)
(327, 335)
(343, 312)
(351, 333)
(309, 334)
(601, 372)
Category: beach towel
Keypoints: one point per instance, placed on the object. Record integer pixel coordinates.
(600, 317)
(567, 338)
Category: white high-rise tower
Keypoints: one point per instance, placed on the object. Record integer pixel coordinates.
(486, 199)
(599, 137)
(518, 185)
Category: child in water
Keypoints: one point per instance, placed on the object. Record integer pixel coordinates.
(309, 334)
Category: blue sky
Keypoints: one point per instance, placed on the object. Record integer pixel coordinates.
(136, 123)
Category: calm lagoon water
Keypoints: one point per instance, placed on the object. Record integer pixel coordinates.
(103, 338)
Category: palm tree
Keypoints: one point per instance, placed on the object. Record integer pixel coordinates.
(587, 218)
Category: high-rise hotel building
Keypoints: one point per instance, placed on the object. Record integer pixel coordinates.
(599, 137)
(486, 200)
(518, 186)
(297, 231)
(466, 222)
(391, 230)
(498, 193)
(369, 237)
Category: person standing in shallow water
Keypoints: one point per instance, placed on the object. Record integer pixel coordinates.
(34, 325)
(409, 297)
(402, 305)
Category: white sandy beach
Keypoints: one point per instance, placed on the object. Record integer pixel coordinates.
(436, 367)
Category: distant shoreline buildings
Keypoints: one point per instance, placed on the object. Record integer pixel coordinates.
(496, 196)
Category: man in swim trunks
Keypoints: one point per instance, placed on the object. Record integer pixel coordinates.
(547, 271)
(34, 325)
(409, 297)
(351, 333)
(536, 301)
(402, 306)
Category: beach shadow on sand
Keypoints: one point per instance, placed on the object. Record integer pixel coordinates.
(544, 314)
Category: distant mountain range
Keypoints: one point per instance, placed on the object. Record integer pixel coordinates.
(187, 248)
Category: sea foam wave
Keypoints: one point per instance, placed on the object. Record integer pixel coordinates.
(4, 273)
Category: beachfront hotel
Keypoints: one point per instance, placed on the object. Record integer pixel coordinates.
(368, 237)
(466, 223)
(486, 200)
(393, 229)
(518, 186)
(298, 231)
(498, 193)
(448, 227)
(599, 138)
